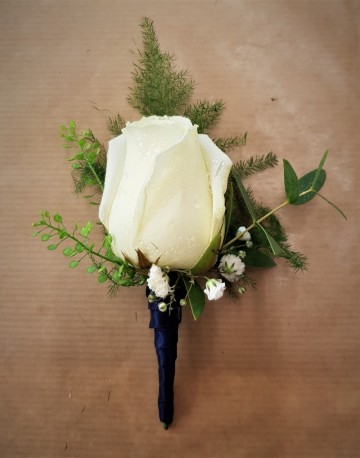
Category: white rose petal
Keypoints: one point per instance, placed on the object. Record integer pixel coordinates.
(164, 191)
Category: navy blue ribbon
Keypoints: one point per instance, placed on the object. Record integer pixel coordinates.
(165, 325)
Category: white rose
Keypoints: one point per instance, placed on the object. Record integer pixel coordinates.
(164, 192)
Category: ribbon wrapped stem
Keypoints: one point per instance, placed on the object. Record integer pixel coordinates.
(165, 325)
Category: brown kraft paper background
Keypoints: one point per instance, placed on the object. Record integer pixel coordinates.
(274, 374)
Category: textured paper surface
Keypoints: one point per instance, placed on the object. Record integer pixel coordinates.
(273, 375)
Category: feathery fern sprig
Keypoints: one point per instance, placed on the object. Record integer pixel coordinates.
(89, 161)
(254, 164)
(204, 113)
(228, 143)
(108, 266)
(159, 89)
(115, 125)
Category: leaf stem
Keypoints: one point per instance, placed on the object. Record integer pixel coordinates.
(260, 220)
(75, 239)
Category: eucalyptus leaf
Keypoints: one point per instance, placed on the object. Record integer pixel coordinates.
(305, 185)
(255, 258)
(245, 195)
(275, 247)
(292, 187)
(196, 297)
(318, 170)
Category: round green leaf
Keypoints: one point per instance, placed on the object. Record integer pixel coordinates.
(73, 264)
(45, 237)
(68, 252)
(102, 277)
(57, 218)
(52, 247)
(91, 269)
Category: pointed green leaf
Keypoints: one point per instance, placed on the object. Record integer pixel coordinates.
(292, 187)
(318, 170)
(196, 297)
(255, 258)
(245, 195)
(305, 185)
(275, 247)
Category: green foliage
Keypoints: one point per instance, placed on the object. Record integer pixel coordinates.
(228, 143)
(196, 297)
(109, 267)
(89, 160)
(305, 183)
(254, 164)
(115, 125)
(292, 185)
(158, 88)
(204, 113)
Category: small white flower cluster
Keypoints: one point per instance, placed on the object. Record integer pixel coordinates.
(158, 282)
(214, 289)
(231, 267)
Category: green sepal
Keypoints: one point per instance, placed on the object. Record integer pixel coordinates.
(291, 182)
(196, 297)
(306, 182)
(275, 247)
(255, 258)
(209, 257)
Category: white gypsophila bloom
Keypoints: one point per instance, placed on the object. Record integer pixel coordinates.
(164, 192)
(231, 267)
(214, 289)
(245, 236)
(158, 282)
